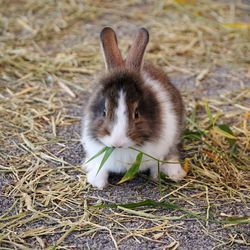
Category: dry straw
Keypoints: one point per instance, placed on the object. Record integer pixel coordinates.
(48, 55)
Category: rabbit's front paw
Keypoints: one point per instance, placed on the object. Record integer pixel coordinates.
(100, 180)
(174, 171)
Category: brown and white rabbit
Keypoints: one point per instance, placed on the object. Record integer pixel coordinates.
(134, 105)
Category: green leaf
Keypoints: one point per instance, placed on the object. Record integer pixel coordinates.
(133, 169)
(224, 130)
(232, 142)
(97, 154)
(172, 206)
(154, 204)
(237, 220)
(193, 134)
(107, 153)
(145, 203)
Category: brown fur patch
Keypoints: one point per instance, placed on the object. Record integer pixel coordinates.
(102, 131)
(158, 74)
(147, 126)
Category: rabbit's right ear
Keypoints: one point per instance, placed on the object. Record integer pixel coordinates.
(111, 52)
(134, 59)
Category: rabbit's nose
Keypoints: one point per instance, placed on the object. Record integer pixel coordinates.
(117, 145)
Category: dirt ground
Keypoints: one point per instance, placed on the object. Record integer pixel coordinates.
(45, 202)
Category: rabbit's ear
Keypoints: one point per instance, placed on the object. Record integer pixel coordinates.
(134, 59)
(111, 52)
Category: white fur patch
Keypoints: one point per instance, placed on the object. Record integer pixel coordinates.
(118, 137)
(169, 120)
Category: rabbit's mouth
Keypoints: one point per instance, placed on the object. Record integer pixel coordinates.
(119, 142)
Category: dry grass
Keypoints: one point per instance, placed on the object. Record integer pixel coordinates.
(48, 55)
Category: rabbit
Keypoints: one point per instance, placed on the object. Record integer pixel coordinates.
(134, 105)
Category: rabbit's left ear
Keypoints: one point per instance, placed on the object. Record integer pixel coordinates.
(135, 56)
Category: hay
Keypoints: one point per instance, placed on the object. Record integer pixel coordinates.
(48, 55)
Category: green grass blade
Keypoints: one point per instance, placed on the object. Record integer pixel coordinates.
(133, 169)
(159, 178)
(145, 203)
(107, 153)
(151, 203)
(194, 114)
(97, 154)
(209, 114)
(154, 204)
(237, 220)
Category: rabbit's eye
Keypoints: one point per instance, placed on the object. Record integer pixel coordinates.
(104, 113)
(136, 114)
